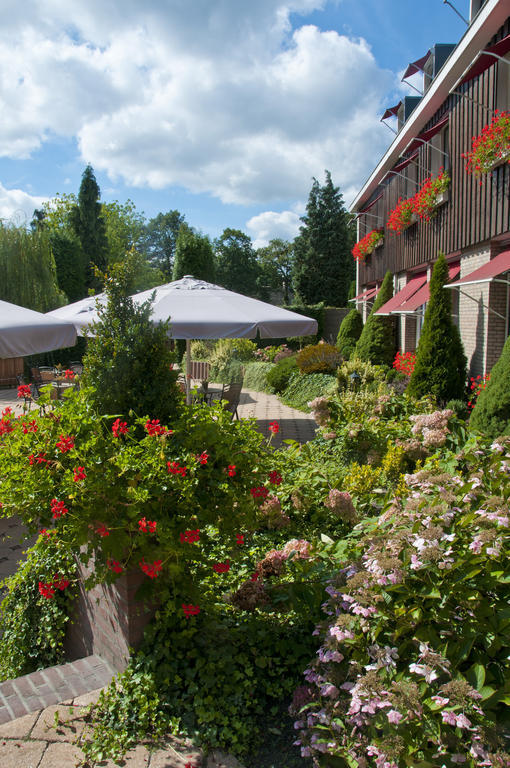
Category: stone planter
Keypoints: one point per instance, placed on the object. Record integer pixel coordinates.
(379, 244)
(442, 198)
(500, 161)
(107, 620)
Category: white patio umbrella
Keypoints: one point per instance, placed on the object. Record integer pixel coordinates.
(200, 310)
(26, 332)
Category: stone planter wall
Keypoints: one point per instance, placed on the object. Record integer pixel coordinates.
(107, 620)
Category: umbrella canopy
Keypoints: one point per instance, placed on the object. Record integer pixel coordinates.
(26, 332)
(200, 310)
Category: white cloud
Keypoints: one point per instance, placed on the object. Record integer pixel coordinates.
(17, 206)
(269, 225)
(220, 98)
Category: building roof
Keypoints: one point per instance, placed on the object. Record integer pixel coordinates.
(477, 36)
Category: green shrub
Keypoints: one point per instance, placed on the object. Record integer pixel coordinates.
(491, 414)
(302, 389)
(33, 626)
(318, 358)
(377, 343)
(201, 349)
(440, 367)
(278, 377)
(459, 407)
(371, 376)
(128, 364)
(255, 376)
(315, 311)
(349, 333)
(227, 357)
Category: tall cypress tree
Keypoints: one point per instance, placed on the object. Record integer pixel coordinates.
(193, 255)
(323, 266)
(440, 367)
(89, 225)
(377, 342)
(491, 414)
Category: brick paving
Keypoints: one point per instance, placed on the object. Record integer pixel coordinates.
(294, 424)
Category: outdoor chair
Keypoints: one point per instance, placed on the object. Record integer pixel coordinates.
(232, 394)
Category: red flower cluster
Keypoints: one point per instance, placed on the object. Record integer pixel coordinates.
(151, 570)
(254, 576)
(24, 391)
(6, 426)
(47, 590)
(275, 477)
(44, 532)
(119, 428)
(190, 609)
(147, 525)
(79, 474)
(274, 427)
(155, 428)
(114, 566)
(425, 198)
(39, 459)
(190, 537)
(29, 426)
(66, 443)
(175, 469)
(366, 245)
(492, 145)
(232, 470)
(102, 530)
(259, 492)
(405, 362)
(222, 567)
(58, 508)
(203, 458)
(400, 216)
(68, 374)
(477, 385)
(239, 539)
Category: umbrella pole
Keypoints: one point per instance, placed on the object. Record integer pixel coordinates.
(188, 371)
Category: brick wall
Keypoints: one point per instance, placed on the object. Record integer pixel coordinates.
(107, 620)
(473, 314)
(497, 325)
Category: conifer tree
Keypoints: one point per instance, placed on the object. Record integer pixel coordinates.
(491, 414)
(440, 368)
(323, 265)
(89, 226)
(349, 333)
(193, 255)
(376, 344)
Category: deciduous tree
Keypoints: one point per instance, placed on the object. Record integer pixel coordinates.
(236, 263)
(193, 255)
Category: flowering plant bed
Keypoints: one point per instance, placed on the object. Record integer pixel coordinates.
(491, 148)
(401, 217)
(428, 197)
(476, 385)
(404, 362)
(368, 244)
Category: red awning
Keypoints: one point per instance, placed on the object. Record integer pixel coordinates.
(399, 298)
(400, 166)
(426, 136)
(484, 60)
(391, 111)
(369, 206)
(416, 66)
(487, 273)
(366, 295)
(423, 295)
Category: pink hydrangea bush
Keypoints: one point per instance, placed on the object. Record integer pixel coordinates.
(413, 666)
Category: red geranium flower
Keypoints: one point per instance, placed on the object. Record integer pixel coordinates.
(147, 525)
(68, 374)
(175, 468)
(151, 570)
(24, 391)
(79, 474)
(60, 583)
(260, 491)
(275, 477)
(274, 427)
(102, 530)
(47, 590)
(119, 428)
(232, 470)
(155, 428)
(190, 609)
(190, 537)
(66, 443)
(58, 508)
(29, 426)
(222, 567)
(114, 566)
(239, 539)
(203, 458)
(254, 576)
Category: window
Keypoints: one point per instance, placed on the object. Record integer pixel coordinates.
(503, 84)
(475, 7)
(439, 152)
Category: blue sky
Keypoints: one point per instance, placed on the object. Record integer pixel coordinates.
(223, 109)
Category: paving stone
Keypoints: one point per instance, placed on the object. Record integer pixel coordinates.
(135, 758)
(87, 698)
(19, 728)
(176, 753)
(59, 755)
(23, 754)
(218, 759)
(70, 726)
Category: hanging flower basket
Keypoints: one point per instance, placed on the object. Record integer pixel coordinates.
(491, 148)
(368, 244)
(432, 193)
(401, 217)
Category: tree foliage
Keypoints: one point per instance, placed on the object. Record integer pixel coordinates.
(323, 266)
(491, 414)
(276, 261)
(236, 263)
(160, 240)
(69, 263)
(349, 333)
(440, 368)
(193, 255)
(376, 343)
(88, 223)
(27, 269)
